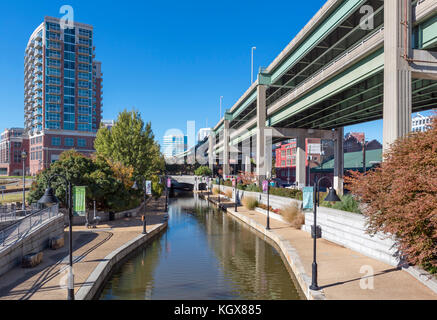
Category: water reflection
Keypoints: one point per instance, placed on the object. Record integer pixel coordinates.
(204, 254)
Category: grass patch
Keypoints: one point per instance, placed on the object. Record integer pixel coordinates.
(293, 215)
(250, 203)
(8, 198)
(228, 193)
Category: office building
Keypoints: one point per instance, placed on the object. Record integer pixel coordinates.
(174, 145)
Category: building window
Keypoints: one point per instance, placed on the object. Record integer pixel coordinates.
(69, 142)
(56, 141)
(81, 142)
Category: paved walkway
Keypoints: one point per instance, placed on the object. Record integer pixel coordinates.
(339, 268)
(91, 246)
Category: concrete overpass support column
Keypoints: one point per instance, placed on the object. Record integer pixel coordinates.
(397, 76)
(338, 161)
(226, 170)
(211, 158)
(300, 161)
(261, 113)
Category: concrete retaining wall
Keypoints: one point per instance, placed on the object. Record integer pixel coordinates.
(349, 230)
(341, 227)
(36, 241)
(95, 281)
(104, 216)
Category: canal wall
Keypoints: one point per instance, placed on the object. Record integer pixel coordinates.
(92, 286)
(347, 229)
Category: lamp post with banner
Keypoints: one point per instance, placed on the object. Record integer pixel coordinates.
(234, 184)
(147, 188)
(266, 189)
(49, 199)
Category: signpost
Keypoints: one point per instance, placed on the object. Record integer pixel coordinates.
(79, 198)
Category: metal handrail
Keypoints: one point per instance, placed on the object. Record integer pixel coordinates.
(22, 228)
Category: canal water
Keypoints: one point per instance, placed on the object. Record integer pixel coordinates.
(204, 254)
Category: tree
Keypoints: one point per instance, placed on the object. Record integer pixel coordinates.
(203, 171)
(400, 197)
(131, 143)
(111, 190)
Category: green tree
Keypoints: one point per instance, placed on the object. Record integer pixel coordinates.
(203, 171)
(132, 143)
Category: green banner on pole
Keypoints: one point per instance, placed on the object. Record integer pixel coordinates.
(308, 199)
(79, 197)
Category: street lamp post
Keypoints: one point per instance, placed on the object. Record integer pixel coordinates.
(268, 201)
(219, 191)
(49, 199)
(251, 65)
(331, 197)
(234, 181)
(135, 187)
(23, 158)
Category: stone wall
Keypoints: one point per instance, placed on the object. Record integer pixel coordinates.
(344, 228)
(36, 241)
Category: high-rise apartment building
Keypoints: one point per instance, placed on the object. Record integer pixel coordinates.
(63, 88)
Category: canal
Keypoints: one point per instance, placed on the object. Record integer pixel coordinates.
(204, 254)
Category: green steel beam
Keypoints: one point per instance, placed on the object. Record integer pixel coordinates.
(325, 124)
(326, 27)
(339, 103)
(366, 68)
(248, 101)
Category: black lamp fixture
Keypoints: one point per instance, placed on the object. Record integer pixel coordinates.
(49, 198)
(332, 196)
(316, 231)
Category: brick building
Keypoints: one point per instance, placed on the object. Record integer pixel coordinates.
(12, 143)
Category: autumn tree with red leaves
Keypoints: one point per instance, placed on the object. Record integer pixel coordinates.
(400, 197)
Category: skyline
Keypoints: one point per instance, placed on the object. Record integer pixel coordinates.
(214, 62)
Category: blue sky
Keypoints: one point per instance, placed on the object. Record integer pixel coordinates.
(170, 60)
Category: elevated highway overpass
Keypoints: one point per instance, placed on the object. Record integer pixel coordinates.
(355, 61)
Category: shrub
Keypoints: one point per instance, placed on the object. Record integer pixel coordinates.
(399, 197)
(348, 203)
(227, 183)
(293, 215)
(253, 188)
(289, 193)
(250, 203)
(228, 193)
(203, 171)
